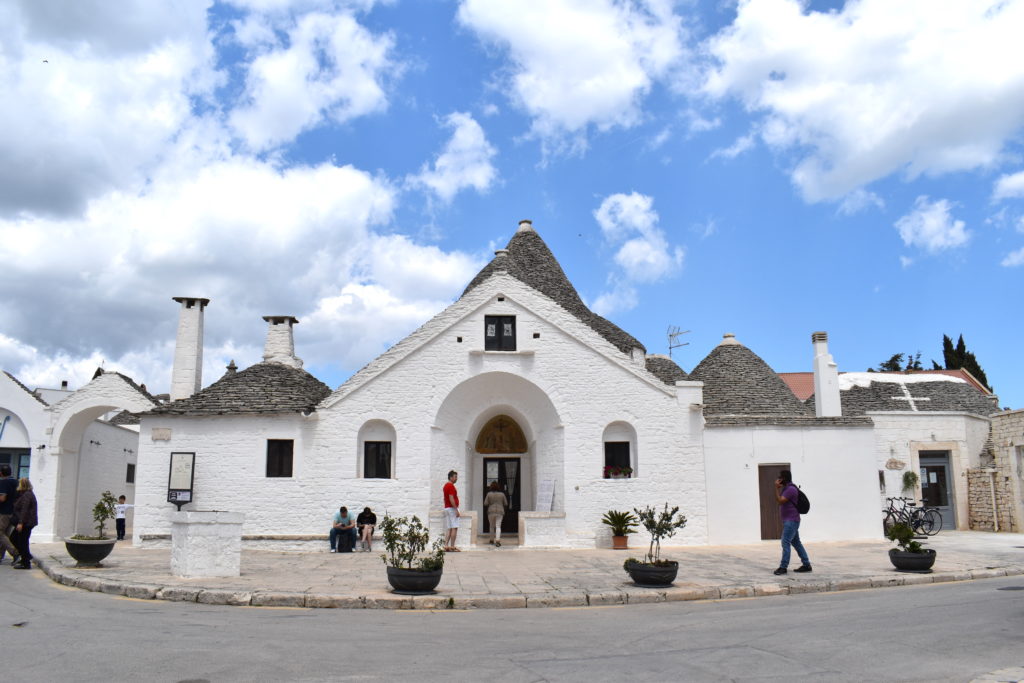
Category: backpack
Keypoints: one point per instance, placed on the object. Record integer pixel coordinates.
(803, 505)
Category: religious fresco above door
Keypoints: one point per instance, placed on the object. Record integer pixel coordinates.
(501, 434)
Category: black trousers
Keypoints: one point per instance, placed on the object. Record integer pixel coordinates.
(119, 523)
(20, 540)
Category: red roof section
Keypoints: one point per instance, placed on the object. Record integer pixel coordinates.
(802, 383)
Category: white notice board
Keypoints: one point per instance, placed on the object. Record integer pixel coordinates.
(545, 495)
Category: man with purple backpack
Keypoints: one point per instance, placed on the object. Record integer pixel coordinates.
(788, 495)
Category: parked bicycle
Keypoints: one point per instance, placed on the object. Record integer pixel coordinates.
(925, 521)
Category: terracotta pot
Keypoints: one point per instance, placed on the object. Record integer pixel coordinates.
(89, 553)
(912, 562)
(620, 542)
(652, 575)
(413, 581)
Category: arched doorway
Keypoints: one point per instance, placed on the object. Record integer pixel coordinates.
(502, 444)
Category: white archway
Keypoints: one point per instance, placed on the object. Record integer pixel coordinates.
(465, 411)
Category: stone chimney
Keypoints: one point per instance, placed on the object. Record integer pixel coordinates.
(280, 346)
(826, 379)
(187, 374)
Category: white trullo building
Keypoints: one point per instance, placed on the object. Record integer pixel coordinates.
(517, 382)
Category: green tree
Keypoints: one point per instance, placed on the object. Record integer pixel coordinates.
(957, 357)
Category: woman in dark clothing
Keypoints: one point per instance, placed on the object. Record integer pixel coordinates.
(26, 514)
(366, 521)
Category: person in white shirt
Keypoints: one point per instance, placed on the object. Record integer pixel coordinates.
(119, 510)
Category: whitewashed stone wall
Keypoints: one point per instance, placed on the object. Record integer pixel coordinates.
(103, 468)
(833, 465)
(902, 437)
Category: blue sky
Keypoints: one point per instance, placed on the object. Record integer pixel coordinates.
(766, 168)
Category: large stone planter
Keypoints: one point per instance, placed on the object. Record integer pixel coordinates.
(912, 562)
(89, 553)
(206, 543)
(412, 581)
(648, 575)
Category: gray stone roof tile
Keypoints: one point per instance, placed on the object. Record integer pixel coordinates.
(937, 396)
(738, 382)
(261, 388)
(665, 369)
(529, 260)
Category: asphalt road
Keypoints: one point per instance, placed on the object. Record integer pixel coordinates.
(942, 632)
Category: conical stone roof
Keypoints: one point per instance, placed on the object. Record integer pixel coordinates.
(738, 382)
(528, 259)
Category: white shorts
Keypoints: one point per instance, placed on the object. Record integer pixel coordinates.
(451, 520)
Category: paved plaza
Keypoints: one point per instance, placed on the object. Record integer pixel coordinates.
(511, 577)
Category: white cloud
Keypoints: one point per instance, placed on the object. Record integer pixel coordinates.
(465, 161)
(1009, 186)
(1013, 259)
(621, 297)
(906, 261)
(100, 111)
(931, 227)
(741, 145)
(331, 69)
(580, 63)
(859, 200)
(643, 254)
(877, 87)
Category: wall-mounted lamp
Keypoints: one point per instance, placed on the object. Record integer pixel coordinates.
(94, 442)
(41, 447)
(128, 451)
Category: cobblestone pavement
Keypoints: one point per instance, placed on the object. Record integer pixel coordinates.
(511, 577)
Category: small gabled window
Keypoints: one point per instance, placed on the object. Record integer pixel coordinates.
(500, 333)
(279, 457)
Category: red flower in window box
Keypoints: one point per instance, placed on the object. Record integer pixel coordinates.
(617, 472)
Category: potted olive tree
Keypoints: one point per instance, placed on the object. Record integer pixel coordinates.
(655, 572)
(909, 556)
(622, 523)
(89, 551)
(410, 570)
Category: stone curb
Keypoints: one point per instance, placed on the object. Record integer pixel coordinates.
(627, 595)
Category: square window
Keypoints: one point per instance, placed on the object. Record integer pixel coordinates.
(500, 333)
(377, 460)
(129, 477)
(279, 457)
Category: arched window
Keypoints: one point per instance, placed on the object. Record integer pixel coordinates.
(377, 450)
(620, 456)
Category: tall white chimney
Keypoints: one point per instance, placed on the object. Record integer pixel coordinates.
(826, 379)
(187, 374)
(280, 346)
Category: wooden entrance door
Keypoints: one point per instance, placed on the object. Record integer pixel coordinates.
(771, 521)
(507, 472)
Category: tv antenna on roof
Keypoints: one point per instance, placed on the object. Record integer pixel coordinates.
(673, 338)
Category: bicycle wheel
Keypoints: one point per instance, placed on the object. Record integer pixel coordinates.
(934, 521)
(922, 522)
(888, 521)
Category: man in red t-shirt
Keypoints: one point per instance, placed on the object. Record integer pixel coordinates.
(451, 512)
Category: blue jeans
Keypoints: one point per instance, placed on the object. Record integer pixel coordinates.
(351, 533)
(791, 535)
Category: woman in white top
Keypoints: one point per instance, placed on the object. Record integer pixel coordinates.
(495, 503)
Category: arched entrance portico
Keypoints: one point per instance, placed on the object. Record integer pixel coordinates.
(499, 417)
(502, 444)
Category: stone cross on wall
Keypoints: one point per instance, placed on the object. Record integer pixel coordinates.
(910, 399)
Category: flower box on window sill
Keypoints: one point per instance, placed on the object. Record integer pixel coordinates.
(618, 472)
